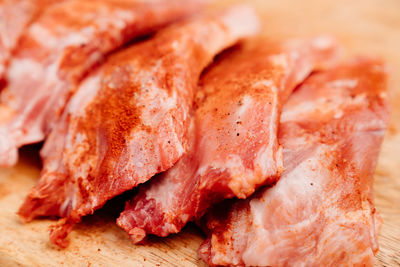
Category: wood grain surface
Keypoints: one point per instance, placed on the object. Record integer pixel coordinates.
(369, 27)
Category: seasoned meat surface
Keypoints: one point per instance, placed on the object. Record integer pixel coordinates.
(65, 43)
(321, 212)
(130, 119)
(233, 146)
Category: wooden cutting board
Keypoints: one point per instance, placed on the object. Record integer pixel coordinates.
(363, 26)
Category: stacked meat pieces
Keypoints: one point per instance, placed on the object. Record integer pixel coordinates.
(270, 146)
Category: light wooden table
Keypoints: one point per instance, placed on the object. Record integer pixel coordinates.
(364, 26)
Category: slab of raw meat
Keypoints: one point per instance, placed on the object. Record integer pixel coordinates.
(15, 16)
(234, 147)
(129, 120)
(321, 211)
(58, 49)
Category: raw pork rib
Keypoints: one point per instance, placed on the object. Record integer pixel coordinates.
(15, 16)
(129, 121)
(58, 50)
(321, 211)
(234, 146)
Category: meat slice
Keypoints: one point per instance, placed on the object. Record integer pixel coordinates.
(15, 16)
(234, 146)
(129, 120)
(321, 211)
(61, 47)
